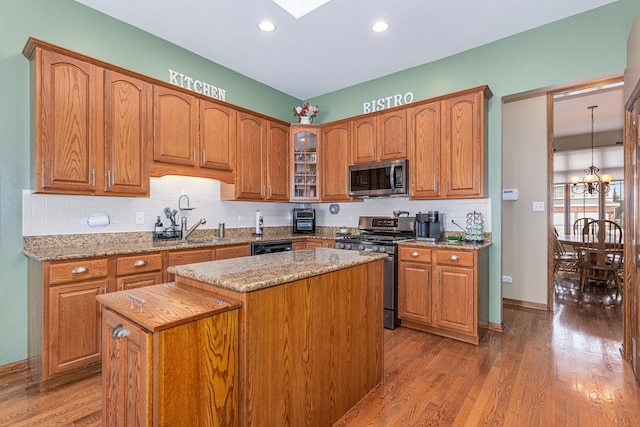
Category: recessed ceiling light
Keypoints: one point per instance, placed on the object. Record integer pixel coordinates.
(267, 26)
(380, 26)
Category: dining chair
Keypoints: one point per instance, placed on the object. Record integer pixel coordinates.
(600, 256)
(564, 260)
(580, 224)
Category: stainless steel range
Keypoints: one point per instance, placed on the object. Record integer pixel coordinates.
(381, 234)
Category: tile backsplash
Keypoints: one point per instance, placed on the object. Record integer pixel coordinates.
(45, 214)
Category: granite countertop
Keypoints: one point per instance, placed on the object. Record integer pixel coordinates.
(444, 244)
(248, 274)
(63, 247)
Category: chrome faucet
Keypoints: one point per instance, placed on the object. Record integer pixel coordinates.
(184, 232)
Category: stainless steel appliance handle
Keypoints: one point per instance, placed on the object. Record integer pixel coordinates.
(392, 177)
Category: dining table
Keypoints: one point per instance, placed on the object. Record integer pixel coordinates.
(595, 255)
(576, 240)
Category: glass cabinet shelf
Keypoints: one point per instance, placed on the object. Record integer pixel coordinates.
(305, 164)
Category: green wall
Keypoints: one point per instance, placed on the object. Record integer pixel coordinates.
(580, 47)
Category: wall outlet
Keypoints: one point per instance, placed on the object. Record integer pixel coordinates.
(538, 206)
(139, 217)
(507, 279)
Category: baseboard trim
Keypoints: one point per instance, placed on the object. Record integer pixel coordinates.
(15, 367)
(496, 327)
(514, 303)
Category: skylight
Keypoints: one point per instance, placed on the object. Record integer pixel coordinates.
(299, 8)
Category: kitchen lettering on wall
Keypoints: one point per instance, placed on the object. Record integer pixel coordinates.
(388, 102)
(179, 79)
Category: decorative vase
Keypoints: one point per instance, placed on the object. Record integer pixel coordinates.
(305, 120)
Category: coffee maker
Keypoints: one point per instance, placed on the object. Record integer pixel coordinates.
(430, 226)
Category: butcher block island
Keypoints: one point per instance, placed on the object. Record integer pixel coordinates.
(310, 333)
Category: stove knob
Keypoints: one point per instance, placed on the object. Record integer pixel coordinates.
(382, 249)
(361, 248)
(348, 246)
(374, 249)
(339, 246)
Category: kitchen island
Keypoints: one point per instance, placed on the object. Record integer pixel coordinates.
(310, 334)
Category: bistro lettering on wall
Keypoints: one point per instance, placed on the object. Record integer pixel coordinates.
(388, 102)
(179, 79)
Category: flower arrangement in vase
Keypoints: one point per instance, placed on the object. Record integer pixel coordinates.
(306, 113)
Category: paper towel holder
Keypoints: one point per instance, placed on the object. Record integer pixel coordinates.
(184, 208)
(98, 220)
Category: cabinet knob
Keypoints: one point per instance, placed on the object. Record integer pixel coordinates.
(119, 332)
(80, 270)
(415, 254)
(454, 257)
(140, 263)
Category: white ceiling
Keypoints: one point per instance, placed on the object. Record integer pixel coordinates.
(571, 115)
(332, 47)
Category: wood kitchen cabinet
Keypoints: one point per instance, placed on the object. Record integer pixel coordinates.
(135, 271)
(175, 126)
(91, 125)
(379, 137)
(262, 158)
(217, 136)
(334, 167)
(447, 146)
(187, 256)
(235, 251)
(64, 317)
(305, 161)
(414, 296)
(444, 291)
(153, 374)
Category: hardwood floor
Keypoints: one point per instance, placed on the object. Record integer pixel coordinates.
(560, 369)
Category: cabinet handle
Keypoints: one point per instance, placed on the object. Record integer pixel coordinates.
(373, 151)
(108, 178)
(204, 156)
(415, 254)
(270, 191)
(454, 258)
(93, 177)
(427, 275)
(134, 298)
(437, 186)
(119, 332)
(140, 263)
(194, 155)
(447, 187)
(122, 286)
(104, 288)
(80, 270)
(381, 152)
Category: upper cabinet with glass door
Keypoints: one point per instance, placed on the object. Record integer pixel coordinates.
(305, 179)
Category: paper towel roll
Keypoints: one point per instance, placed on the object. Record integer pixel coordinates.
(259, 222)
(98, 220)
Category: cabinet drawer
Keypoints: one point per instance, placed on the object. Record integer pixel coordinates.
(139, 263)
(139, 280)
(455, 258)
(415, 254)
(73, 271)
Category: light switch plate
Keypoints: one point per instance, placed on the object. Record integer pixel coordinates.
(538, 206)
(139, 217)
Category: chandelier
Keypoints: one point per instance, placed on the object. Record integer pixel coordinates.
(591, 182)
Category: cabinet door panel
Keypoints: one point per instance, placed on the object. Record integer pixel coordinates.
(127, 139)
(71, 124)
(414, 293)
(455, 299)
(335, 163)
(139, 280)
(424, 151)
(363, 140)
(277, 162)
(250, 150)
(74, 326)
(175, 128)
(126, 373)
(217, 136)
(463, 160)
(392, 135)
(232, 252)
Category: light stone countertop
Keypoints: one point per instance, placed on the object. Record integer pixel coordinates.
(248, 274)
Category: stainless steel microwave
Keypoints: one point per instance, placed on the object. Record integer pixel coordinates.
(379, 179)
